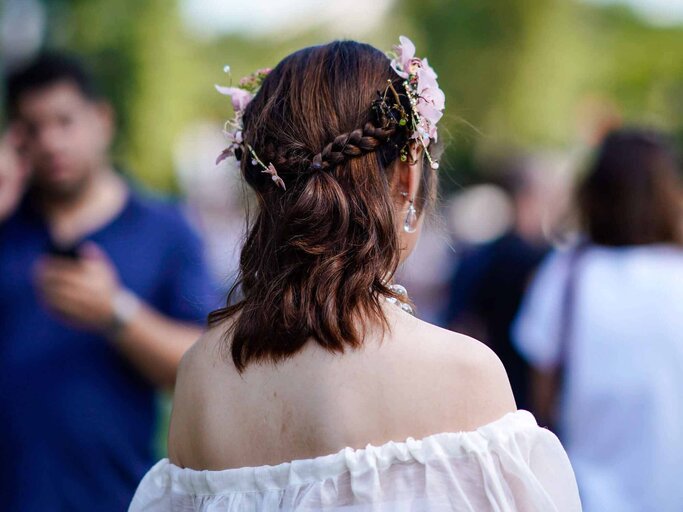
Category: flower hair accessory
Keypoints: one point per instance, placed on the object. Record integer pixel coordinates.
(426, 99)
(240, 97)
(267, 169)
(417, 88)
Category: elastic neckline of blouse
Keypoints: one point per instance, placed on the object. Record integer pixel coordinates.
(348, 460)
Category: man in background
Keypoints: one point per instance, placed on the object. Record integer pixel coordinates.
(490, 280)
(102, 289)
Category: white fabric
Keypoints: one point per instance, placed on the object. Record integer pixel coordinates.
(508, 465)
(622, 407)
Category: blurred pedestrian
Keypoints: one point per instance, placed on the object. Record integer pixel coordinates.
(102, 289)
(490, 279)
(603, 325)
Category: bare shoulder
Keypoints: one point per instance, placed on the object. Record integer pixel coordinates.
(198, 363)
(196, 378)
(470, 376)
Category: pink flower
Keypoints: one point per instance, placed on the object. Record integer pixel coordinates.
(405, 57)
(235, 140)
(240, 98)
(253, 82)
(422, 82)
(235, 137)
(431, 99)
(227, 152)
(429, 116)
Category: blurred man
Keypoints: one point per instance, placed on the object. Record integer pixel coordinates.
(13, 172)
(101, 292)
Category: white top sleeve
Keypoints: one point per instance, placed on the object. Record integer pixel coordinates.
(536, 330)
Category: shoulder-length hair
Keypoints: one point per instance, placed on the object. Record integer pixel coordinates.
(631, 194)
(317, 260)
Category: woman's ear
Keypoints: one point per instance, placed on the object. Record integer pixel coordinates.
(410, 172)
(407, 177)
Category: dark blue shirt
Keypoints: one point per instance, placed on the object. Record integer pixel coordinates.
(487, 288)
(77, 421)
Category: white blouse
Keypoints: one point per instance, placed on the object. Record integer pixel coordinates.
(509, 465)
(621, 413)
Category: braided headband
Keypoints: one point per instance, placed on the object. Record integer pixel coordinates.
(421, 89)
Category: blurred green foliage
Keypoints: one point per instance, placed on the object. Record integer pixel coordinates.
(517, 73)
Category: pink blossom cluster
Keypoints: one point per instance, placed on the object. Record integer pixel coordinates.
(429, 99)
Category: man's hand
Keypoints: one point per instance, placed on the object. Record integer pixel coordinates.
(80, 291)
(84, 293)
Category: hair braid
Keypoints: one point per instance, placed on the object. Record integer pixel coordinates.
(351, 144)
(347, 145)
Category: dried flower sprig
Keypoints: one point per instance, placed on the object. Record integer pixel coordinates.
(240, 97)
(267, 169)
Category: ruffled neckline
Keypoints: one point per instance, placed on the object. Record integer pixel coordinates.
(353, 461)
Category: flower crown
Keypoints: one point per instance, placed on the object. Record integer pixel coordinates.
(420, 89)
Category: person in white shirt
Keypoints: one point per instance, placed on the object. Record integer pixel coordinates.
(602, 324)
(318, 389)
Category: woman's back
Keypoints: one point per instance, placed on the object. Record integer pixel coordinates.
(349, 423)
(420, 380)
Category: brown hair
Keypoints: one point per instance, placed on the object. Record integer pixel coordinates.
(318, 256)
(632, 194)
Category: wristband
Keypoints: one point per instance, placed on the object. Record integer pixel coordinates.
(125, 306)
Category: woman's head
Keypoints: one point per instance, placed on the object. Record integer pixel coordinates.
(318, 259)
(632, 194)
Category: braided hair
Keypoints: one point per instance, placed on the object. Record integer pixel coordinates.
(348, 145)
(374, 134)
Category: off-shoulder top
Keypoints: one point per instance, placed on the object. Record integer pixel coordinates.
(508, 465)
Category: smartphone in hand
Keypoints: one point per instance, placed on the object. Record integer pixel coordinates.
(64, 251)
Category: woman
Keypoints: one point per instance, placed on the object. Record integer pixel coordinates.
(607, 318)
(321, 355)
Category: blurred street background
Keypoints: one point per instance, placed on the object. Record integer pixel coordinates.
(529, 83)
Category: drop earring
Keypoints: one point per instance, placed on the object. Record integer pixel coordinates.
(410, 223)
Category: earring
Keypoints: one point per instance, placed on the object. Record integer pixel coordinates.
(410, 223)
